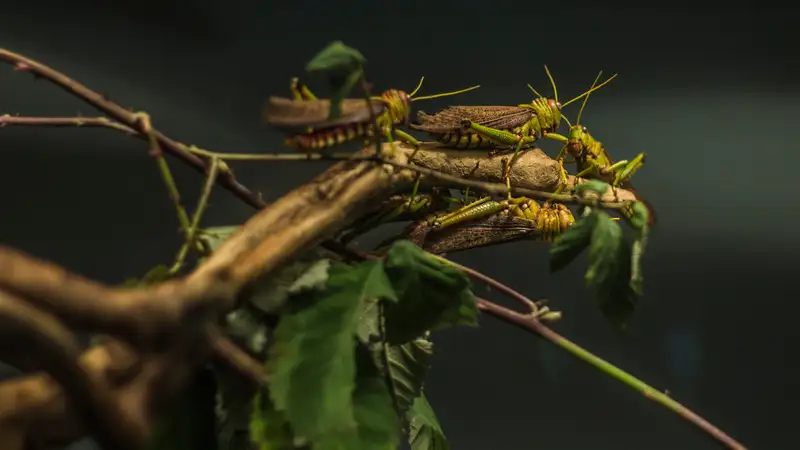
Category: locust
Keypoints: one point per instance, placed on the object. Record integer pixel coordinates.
(400, 208)
(549, 220)
(499, 128)
(593, 161)
(305, 118)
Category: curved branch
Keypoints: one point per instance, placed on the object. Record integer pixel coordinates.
(59, 352)
(129, 118)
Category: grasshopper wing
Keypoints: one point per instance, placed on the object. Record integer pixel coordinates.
(449, 119)
(288, 113)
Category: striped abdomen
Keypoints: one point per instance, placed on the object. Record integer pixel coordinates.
(330, 137)
(553, 220)
(463, 140)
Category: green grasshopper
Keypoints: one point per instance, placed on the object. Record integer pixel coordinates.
(400, 208)
(500, 128)
(592, 160)
(550, 219)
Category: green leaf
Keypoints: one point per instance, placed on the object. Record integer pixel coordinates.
(314, 278)
(606, 239)
(637, 215)
(343, 66)
(312, 360)
(596, 186)
(336, 58)
(405, 366)
(569, 244)
(637, 252)
(408, 365)
(378, 424)
(425, 431)
(341, 85)
(308, 268)
(609, 270)
(213, 237)
(269, 429)
(432, 294)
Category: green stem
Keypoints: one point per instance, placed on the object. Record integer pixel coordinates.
(534, 325)
(376, 132)
(166, 174)
(202, 204)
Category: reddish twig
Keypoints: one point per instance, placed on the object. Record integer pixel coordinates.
(533, 325)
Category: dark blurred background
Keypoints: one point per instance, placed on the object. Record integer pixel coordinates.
(709, 92)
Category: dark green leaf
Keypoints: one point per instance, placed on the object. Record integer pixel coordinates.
(425, 431)
(637, 215)
(432, 293)
(269, 429)
(604, 253)
(637, 252)
(617, 298)
(378, 424)
(312, 361)
(596, 186)
(408, 364)
(404, 366)
(343, 66)
(336, 58)
(213, 237)
(341, 85)
(569, 244)
(609, 270)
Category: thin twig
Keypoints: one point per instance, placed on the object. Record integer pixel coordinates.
(505, 289)
(129, 118)
(226, 350)
(534, 325)
(488, 187)
(191, 233)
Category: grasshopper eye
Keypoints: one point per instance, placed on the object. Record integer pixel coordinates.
(585, 130)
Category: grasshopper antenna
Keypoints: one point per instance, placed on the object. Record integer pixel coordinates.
(534, 91)
(419, 85)
(552, 83)
(591, 90)
(586, 99)
(446, 94)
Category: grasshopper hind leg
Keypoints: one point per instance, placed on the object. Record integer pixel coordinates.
(300, 91)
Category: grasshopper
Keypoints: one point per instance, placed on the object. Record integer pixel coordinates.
(304, 118)
(549, 220)
(500, 128)
(592, 160)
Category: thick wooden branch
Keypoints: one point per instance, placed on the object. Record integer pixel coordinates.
(161, 332)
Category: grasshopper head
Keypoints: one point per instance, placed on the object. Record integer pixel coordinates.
(398, 105)
(578, 134)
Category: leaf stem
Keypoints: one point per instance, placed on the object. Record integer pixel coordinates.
(191, 233)
(166, 174)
